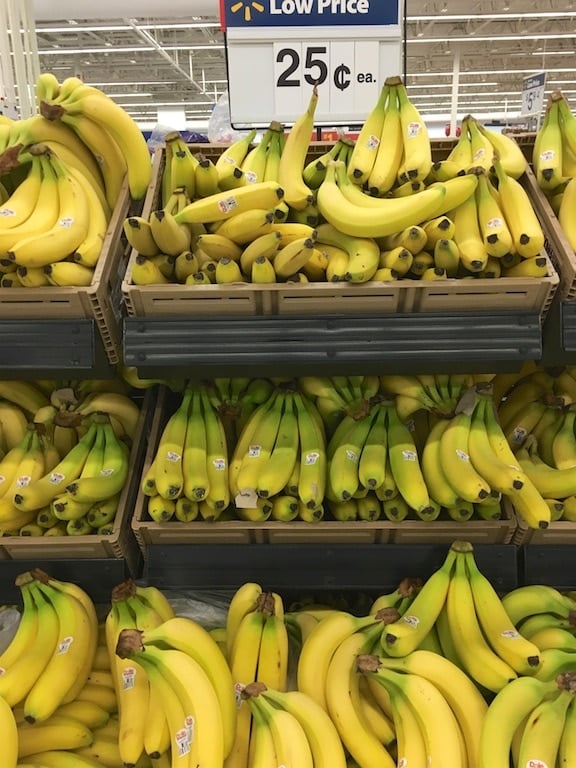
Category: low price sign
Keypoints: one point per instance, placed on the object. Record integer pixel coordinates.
(277, 50)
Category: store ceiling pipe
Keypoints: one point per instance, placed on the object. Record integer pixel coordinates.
(52, 10)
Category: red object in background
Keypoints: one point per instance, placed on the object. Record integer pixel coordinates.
(222, 17)
(447, 130)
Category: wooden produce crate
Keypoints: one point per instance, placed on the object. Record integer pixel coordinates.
(247, 298)
(100, 301)
(559, 532)
(383, 531)
(121, 543)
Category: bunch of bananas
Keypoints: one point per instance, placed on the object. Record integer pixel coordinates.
(61, 174)
(536, 411)
(554, 161)
(377, 209)
(352, 448)
(65, 456)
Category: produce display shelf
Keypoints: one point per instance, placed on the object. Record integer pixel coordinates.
(324, 567)
(120, 545)
(263, 345)
(285, 299)
(97, 576)
(558, 532)
(325, 532)
(100, 302)
(53, 348)
(559, 334)
(552, 565)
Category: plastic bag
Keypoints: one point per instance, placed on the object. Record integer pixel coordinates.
(207, 608)
(9, 621)
(220, 129)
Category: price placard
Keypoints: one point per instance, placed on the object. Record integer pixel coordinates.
(277, 50)
(533, 94)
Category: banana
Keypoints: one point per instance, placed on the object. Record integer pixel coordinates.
(344, 459)
(293, 257)
(313, 460)
(384, 217)
(441, 743)
(363, 254)
(322, 736)
(507, 149)
(459, 691)
(273, 655)
(482, 149)
(67, 234)
(405, 464)
(319, 648)
(524, 225)
(89, 714)
(363, 157)
(246, 226)
(42, 491)
(291, 745)
(276, 472)
(265, 246)
(228, 271)
(467, 235)
(243, 662)
(260, 450)
(216, 246)
(492, 224)
(110, 160)
(218, 493)
(542, 732)
(20, 673)
(413, 238)
(417, 158)
(566, 204)
(547, 161)
(506, 641)
(404, 635)
(65, 273)
(139, 234)
(94, 104)
(235, 153)
(67, 667)
(479, 660)
(389, 154)
(18, 208)
(168, 462)
(225, 205)
(372, 463)
(293, 157)
(112, 475)
(456, 463)
(341, 685)
(62, 733)
(566, 746)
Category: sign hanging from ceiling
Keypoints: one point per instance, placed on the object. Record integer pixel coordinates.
(278, 49)
(533, 88)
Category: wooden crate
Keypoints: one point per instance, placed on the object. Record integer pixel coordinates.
(451, 295)
(383, 531)
(559, 532)
(121, 543)
(100, 301)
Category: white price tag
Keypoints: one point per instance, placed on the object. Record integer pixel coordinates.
(533, 93)
(345, 47)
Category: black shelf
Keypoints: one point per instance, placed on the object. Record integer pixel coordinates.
(34, 348)
(296, 567)
(293, 346)
(96, 576)
(559, 335)
(552, 564)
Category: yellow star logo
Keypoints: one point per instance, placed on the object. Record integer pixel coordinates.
(247, 8)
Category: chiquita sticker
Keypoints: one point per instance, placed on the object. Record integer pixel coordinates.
(462, 455)
(409, 455)
(413, 621)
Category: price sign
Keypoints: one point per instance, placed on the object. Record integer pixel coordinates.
(277, 50)
(533, 94)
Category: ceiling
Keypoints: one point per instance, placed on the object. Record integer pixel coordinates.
(177, 61)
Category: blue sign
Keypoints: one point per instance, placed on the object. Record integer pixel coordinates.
(310, 13)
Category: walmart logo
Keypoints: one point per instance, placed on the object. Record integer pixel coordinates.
(247, 8)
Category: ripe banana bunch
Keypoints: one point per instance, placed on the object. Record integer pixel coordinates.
(80, 490)
(256, 648)
(47, 665)
(54, 223)
(339, 396)
(530, 720)
(104, 127)
(278, 465)
(436, 393)
(139, 727)
(189, 475)
(290, 729)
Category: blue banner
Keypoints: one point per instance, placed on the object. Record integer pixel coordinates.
(310, 13)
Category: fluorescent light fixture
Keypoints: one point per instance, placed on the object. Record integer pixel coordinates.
(131, 49)
(491, 16)
(124, 27)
